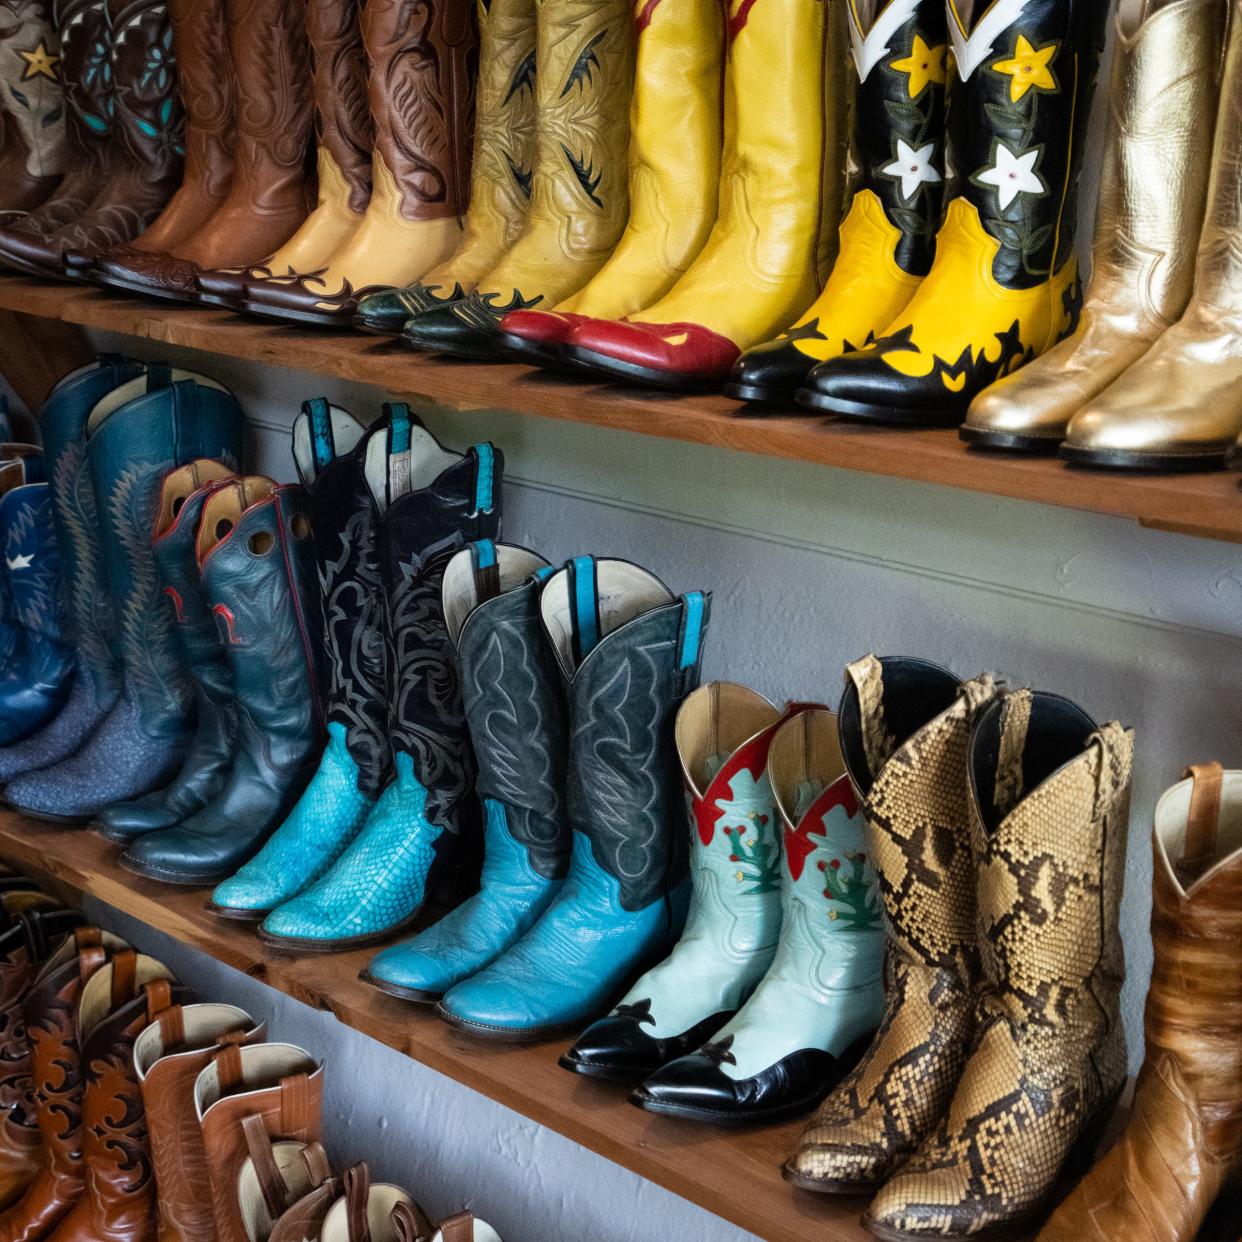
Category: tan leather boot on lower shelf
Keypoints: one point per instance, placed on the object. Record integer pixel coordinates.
(305, 1218)
(1184, 1134)
(168, 1058)
(277, 1175)
(374, 1212)
(1049, 809)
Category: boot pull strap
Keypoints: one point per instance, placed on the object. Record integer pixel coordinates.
(399, 422)
(295, 1113)
(159, 998)
(318, 1170)
(484, 478)
(459, 1228)
(124, 977)
(410, 1223)
(867, 676)
(229, 1069)
(357, 1196)
(1202, 821)
(694, 615)
(486, 568)
(263, 1161)
(172, 1028)
(323, 442)
(1015, 724)
(583, 607)
(87, 937)
(89, 961)
(233, 1038)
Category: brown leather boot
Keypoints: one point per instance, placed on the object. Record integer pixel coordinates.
(278, 1083)
(276, 1177)
(375, 1212)
(269, 80)
(304, 1219)
(168, 1058)
(1184, 1135)
(51, 1013)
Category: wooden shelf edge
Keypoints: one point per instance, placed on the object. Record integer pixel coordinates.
(733, 1174)
(1203, 505)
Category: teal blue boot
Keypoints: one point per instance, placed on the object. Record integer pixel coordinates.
(422, 838)
(327, 447)
(629, 652)
(517, 724)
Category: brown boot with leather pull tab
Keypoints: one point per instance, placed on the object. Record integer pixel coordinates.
(305, 1218)
(464, 1227)
(282, 1086)
(168, 1058)
(1184, 1134)
(276, 1175)
(374, 1212)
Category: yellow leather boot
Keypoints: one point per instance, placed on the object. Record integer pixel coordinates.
(781, 191)
(500, 187)
(580, 202)
(1165, 95)
(1180, 405)
(888, 238)
(675, 147)
(422, 98)
(1004, 287)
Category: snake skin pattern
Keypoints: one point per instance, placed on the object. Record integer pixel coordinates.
(918, 835)
(1048, 1056)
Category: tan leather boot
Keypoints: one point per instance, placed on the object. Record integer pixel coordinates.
(374, 1212)
(168, 1058)
(1184, 1134)
(1165, 95)
(304, 1219)
(1049, 810)
(278, 1175)
(278, 1083)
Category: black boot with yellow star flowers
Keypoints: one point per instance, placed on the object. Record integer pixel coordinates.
(896, 168)
(1004, 286)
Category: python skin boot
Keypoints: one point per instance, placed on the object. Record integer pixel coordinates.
(628, 652)
(255, 556)
(182, 497)
(422, 838)
(517, 729)
(724, 732)
(888, 237)
(357, 762)
(579, 195)
(1004, 287)
(817, 1007)
(1050, 801)
(501, 170)
(904, 729)
(134, 437)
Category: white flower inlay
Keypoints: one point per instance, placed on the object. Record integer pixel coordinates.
(1013, 175)
(914, 168)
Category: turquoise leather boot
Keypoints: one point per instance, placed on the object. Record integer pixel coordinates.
(422, 839)
(97, 685)
(356, 764)
(517, 726)
(182, 497)
(629, 652)
(134, 437)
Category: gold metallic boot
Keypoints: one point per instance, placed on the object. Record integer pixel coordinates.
(1004, 287)
(1180, 405)
(675, 148)
(501, 173)
(580, 200)
(781, 191)
(1049, 799)
(888, 238)
(1165, 95)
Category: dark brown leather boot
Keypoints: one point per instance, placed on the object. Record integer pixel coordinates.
(269, 78)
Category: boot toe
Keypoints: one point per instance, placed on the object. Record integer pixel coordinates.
(307, 299)
(676, 353)
(769, 373)
(693, 1086)
(497, 1003)
(846, 1169)
(45, 252)
(408, 968)
(465, 329)
(127, 821)
(616, 1047)
(135, 269)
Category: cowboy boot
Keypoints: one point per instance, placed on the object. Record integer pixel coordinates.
(421, 167)
(1181, 1141)
(134, 437)
(463, 1227)
(724, 732)
(183, 494)
(501, 169)
(817, 1007)
(1049, 811)
(255, 555)
(169, 1055)
(629, 652)
(20, 466)
(1004, 287)
(374, 1212)
(305, 1216)
(1165, 93)
(345, 136)
(674, 169)
(275, 1176)
(279, 1086)
(269, 82)
(780, 202)
(1176, 408)
(422, 838)
(888, 237)
(904, 728)
(356, 762)
(579, 198)
(517, 729)
(35, 152)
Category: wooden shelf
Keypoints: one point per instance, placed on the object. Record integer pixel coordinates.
(1206, 505)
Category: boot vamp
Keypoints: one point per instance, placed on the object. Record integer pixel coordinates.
(73, 724)
(34, 691)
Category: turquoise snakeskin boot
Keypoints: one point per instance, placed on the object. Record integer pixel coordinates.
(629, 652)
(356, 763)
(517, 726)
(422, 837)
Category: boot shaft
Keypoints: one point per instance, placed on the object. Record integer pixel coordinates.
(35, 600)
(148, 112)
(31, 73)
(204, 68)
(86, 50)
